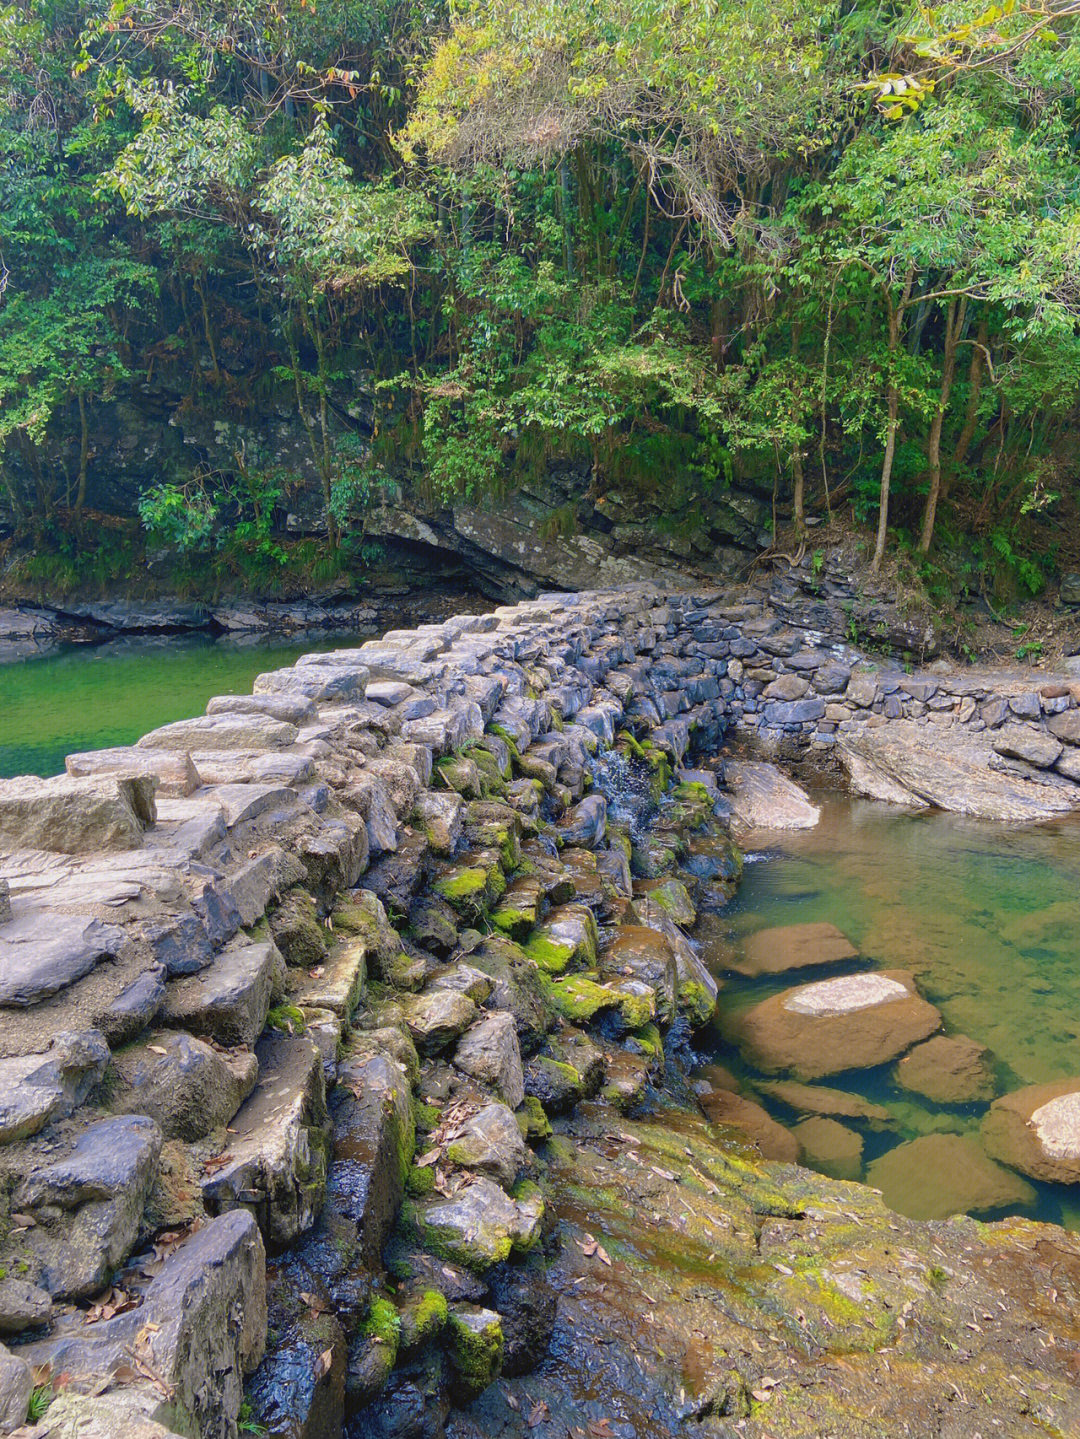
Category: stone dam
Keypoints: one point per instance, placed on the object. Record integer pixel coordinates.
(343, 1034)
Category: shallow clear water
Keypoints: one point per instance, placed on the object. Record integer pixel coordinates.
(92, 696)
(987, 917)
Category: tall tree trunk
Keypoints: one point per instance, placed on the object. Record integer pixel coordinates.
(954, 322)
(975, 374)
(896, 315)
(84, 455)
(798, 490)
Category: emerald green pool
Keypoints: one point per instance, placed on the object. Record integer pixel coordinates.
(987, 919)
(91, 696)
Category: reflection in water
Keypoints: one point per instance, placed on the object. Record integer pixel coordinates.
(986, 917)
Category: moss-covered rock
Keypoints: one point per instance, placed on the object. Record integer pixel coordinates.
(475, 1347)
(296, 929)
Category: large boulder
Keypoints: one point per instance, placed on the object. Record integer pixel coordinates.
(489, 1051)
(184, 1084)
(75, 816)
(480, 1225)
(200, 1329)
(230, 1000)
(764, 798)
(490, 1142)
(87, 1206)
(1037, 1130)
(919, 766)
(852, 1022)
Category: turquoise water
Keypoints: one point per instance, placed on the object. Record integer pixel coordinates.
(89, 697)
(987, 919)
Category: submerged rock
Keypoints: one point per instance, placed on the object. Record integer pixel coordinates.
(830, 1147)
(949, 1069)
(942, 1174)
(723, 1107)
(793, 946)
(837, 1024)
(817, 1099)
(1037, 1130)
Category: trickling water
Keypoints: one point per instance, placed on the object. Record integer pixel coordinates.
(626, 784)
(987, 918)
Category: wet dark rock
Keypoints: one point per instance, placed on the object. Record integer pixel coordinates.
(372, 1147)
(298, 1391)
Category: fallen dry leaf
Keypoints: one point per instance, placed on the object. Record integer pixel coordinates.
(323, 1363)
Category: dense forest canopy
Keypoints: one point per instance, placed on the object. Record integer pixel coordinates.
(833, 247)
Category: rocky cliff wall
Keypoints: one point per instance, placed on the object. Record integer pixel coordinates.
(311, 976)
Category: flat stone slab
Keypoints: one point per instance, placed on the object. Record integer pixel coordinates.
(921, 766)
(853, 1022)
(173, 769)
(835, 1103)
(229, 1000)
(276, 1160)
(942, 1174)
(1037, 1130)
(42, 952)
(949, 1069)
(764, 798)
(793, 946)
(75, 815)
(221, 732)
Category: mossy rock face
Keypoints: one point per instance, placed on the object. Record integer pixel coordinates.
(566, 939)
(362, 914)
(532, 1121)
(492, 778)
(475, 1347)
(477, 1227)
(674, 899)
(461, 774)
(692, 805)
(422, 1318)
(297, 931)
(473, 887)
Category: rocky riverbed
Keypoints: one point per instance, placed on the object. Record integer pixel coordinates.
(346, 1034)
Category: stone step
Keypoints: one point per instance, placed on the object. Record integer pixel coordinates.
(229, 1000)
(275, 1161)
